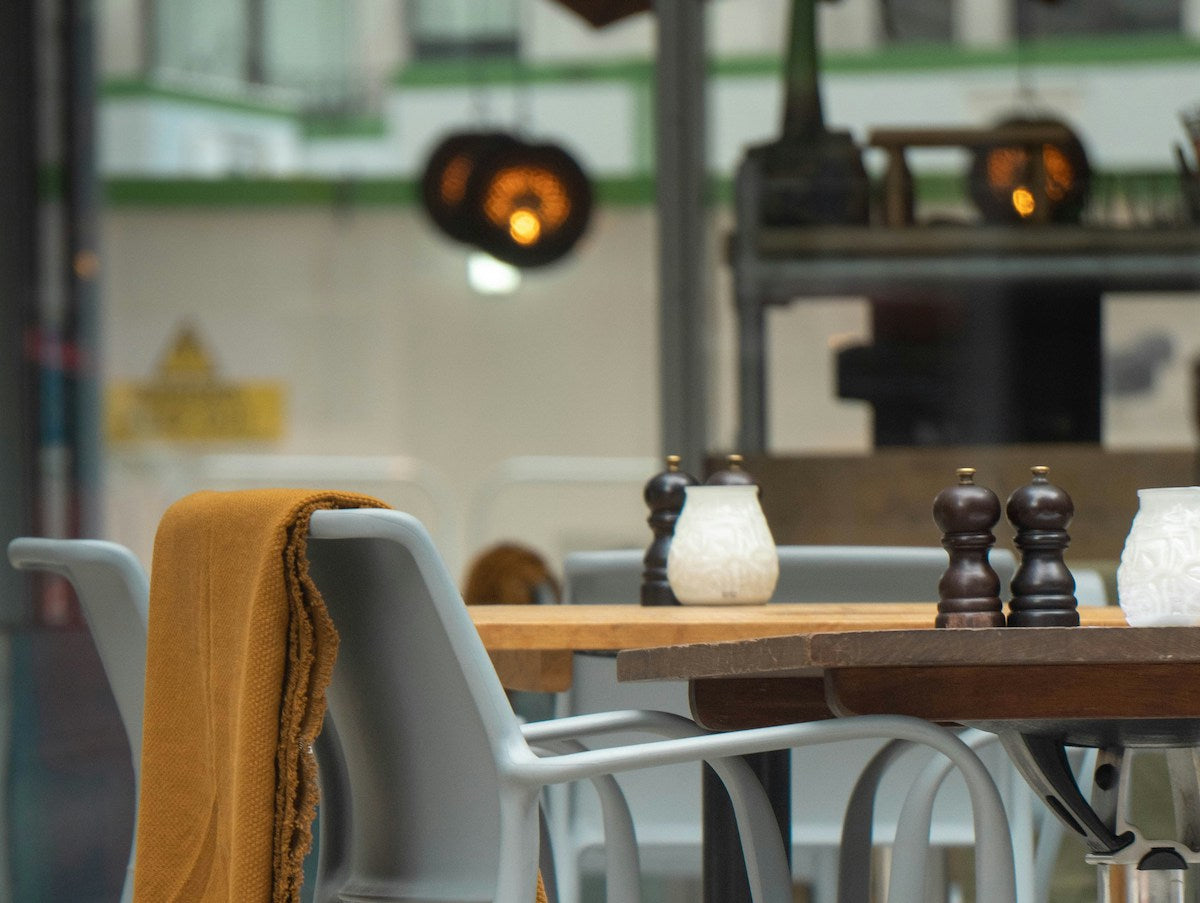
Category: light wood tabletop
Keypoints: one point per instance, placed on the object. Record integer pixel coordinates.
(532, 645)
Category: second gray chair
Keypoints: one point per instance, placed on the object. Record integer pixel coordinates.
(669, 834)
(443, 783)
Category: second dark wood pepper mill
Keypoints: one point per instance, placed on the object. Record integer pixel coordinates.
(1043, 588)
(969, 591)
(664, 494)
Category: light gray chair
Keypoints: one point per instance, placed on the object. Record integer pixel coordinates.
(669, 834)
(443, 784)
(114, 594)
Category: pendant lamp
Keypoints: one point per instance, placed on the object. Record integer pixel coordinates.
(524, 204)
(1044, 182)
(528, 204)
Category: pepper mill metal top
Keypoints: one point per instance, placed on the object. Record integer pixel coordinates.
(665, 489)
(966, 507)
(732, 475)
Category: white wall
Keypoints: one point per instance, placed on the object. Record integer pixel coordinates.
(367, 317)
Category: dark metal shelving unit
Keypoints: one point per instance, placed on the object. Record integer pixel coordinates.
(779, 266)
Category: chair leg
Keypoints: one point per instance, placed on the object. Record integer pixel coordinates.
(546, 859)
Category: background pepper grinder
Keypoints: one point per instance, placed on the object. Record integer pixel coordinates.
(665, 496)
(969, 591)
(1043, 588)
(732, 475)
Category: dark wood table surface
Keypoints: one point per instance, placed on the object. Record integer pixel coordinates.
(1089, 686)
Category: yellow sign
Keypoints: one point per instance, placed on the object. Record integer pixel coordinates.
(187, 402)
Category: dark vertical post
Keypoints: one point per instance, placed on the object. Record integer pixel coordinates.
(680, 179)
(82, 264)
(18, 287)
(724, 866)
(752, 351)
(803, 118)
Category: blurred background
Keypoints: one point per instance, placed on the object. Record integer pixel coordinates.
(220, 268)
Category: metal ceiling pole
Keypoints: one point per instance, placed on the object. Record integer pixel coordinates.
(81, 265)
(680, 178)
(18, 287)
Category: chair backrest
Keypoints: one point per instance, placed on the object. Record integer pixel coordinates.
(806, 574)
(419, 712)
(114, 593)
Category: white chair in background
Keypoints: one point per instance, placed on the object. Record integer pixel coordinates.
(666, 802)
(114, 594)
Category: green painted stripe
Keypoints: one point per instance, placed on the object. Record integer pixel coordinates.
(232, 192)
(628, 191)
(318, 127)
(497, 71)
(633, 190)
(913, 57)
(1062, 51)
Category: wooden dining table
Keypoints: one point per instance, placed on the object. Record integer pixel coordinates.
(532, 647)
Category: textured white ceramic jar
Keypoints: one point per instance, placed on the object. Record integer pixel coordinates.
(1158, 580)
(722, 552)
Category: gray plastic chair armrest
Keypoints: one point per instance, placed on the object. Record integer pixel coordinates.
(767, 868)
(994, 858)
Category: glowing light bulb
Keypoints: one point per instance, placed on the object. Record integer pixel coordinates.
(1023, 202)
(524, 226)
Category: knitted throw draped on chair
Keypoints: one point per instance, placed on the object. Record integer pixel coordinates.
(240, 652)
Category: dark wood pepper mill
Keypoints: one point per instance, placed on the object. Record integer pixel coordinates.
(969, 591)
(664, 493)
(1043, 588)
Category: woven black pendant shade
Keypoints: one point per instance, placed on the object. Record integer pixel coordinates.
(1047, 183)
(449, 170)
(529, 204)
(525, 204)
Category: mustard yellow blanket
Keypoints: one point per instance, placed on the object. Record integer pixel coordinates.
(240, 652)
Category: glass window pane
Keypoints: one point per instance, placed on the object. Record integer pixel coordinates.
(308, 46)
(448, 28)
(1097, 17)
(202, 39)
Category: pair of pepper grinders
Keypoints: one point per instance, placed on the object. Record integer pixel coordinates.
(664, 494)
(1043, 589)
